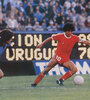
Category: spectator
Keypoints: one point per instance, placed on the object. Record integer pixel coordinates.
(51, 27)
(76, 26)
(57, 26)
(74, 3)
(37, 8)
(58, 8)
(68, 19)
(74, 16)
(44, 26)
(59, 19)
(78, 8)
(61, 2)
(36, 1)
(39, 16)
(28, 8)
(28, 27)
(8, 9)
(50, 11)
(18, 2)
(12, 23)
(83, 27)
(87, 9)
(72, 8)
(24, 3)
(1, 14)
(62, 25)
(41, 7)
(1, 4)
(87, 21)
(34, 21)
(32, 3)
(55, 11)
(13, 11)
(21, 9)
(83, 3)
(3, 24)
(31, 14)
(22, 17)
(46, 6)
(20, 23)
(81, 19)
(69, 13)
(37, 27)
(45, 21)
(68, 4)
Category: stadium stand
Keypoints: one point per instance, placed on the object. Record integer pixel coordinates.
(25, 14)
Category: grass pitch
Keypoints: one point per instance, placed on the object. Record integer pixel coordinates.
(19, 88)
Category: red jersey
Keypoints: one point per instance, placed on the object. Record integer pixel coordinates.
(65, 45)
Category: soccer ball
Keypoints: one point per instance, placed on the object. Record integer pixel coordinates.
(78, 80)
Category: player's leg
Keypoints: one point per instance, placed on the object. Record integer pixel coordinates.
(72, 70)
(1, 73)
(50, 65)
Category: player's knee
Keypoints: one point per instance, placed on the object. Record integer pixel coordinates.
(75, 70)
(47, 69)
(1, 75)
(45, 72)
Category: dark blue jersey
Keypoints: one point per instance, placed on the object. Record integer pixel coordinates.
(2, 49)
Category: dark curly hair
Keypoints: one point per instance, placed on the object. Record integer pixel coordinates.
(5, 35)
(68, 27)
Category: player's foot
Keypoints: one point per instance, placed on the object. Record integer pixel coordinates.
(33, 85)
(60, 82)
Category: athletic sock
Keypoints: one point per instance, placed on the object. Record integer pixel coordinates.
(66, 75)
(39, 78)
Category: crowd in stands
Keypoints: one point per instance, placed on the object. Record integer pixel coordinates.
(44, 15)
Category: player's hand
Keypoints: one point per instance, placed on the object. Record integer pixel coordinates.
(39, 46)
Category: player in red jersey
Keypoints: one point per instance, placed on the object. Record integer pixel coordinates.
(65, 43)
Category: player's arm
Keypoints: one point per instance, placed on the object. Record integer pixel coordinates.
(85, 42)
(44, 42)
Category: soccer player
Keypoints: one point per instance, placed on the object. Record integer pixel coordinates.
(65, 43)
(6, 37)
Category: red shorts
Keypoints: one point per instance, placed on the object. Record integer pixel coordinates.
(61, 59)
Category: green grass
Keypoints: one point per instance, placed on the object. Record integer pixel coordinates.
(18, 88)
